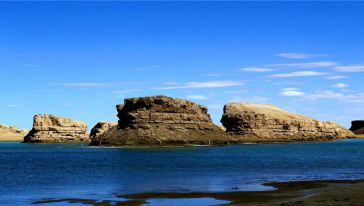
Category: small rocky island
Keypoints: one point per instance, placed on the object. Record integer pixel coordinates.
(101, 128)
(53, 129)
(12, 133)
(357, 126)
(263, 122)
(161, 120)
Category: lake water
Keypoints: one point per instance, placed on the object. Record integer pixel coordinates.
(30, 172)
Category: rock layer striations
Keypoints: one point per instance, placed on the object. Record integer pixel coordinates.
(53, 129)
(162, 120)
(267, 122)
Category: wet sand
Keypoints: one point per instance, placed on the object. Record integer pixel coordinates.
(286, 194)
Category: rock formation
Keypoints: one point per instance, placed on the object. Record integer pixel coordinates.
(161, 120)
(357, 126)
(53, 129)
(101, 129)
(267, 122)
(12, 133)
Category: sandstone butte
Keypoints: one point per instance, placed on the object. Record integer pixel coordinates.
(12, 133)
(53, 129)
(357, 126)
(262, 122)
(101, 128)
(161, 120)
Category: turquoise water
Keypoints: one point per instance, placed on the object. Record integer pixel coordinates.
(30, 172)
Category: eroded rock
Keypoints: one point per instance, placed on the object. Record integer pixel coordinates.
(357, 126)
(267, 122)
(99, 131)
(12, 133)
(53, 129)
(161, 120)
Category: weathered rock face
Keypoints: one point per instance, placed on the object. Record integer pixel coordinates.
(357, 126)
(12, 133)
(100, 130)
(161, 120)
(53, 129)
(267, 122)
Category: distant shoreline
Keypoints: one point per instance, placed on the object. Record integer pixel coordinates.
(247, 142)
(11, 139)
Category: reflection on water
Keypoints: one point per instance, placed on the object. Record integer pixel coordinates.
(33, 172)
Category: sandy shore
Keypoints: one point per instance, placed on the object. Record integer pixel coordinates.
(287, 194)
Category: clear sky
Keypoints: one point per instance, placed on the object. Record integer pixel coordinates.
(79, 60)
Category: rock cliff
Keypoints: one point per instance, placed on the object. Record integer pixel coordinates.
(161, 120)
(100, 130)
(53, 129)
(12, 133)
(357, 126)
(267, 122)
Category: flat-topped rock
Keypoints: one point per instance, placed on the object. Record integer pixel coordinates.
(53, 129)
(12, 133)
(162, 120)
(100, 129)
(267, 122)
(357, 126)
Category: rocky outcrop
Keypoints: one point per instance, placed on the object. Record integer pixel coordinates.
(101, 129)
(267, 122)
(357, 126)
(161, 120)
(12, 133)
(53, 129)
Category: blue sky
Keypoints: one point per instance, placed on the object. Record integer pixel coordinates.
(80, 59)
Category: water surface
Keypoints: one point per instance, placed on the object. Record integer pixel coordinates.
(30, 172)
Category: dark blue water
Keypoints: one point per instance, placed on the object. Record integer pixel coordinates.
(30, 172)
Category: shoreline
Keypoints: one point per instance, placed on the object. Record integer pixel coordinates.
(247, 142)
(316, 192)
(10, 140)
